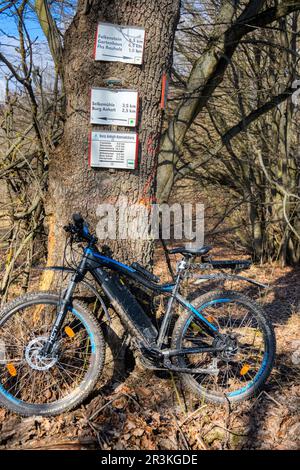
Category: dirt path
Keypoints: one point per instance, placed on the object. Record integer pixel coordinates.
(145, 411)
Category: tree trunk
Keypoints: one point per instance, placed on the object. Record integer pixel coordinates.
(73, 186)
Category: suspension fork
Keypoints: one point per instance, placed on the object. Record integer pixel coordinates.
(64, 304)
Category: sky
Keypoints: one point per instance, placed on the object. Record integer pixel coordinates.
(9, 42)
(8, 22)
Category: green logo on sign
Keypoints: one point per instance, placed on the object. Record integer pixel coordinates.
(131, 121)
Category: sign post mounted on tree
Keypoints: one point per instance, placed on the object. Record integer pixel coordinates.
(116, 43)
(114, 107)
(113, 149)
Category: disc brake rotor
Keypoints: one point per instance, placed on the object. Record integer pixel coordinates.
(34, 357)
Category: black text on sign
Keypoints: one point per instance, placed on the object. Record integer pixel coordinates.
(117, 43)
(113, 149)
(114, 107)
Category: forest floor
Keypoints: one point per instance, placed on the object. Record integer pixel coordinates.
(146, 410)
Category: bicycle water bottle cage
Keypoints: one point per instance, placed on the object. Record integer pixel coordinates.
(144, 272)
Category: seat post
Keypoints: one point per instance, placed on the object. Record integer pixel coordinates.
(181, 266)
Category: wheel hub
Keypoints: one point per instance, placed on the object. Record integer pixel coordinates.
(35, 357)
(229, 343)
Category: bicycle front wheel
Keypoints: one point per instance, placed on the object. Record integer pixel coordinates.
(31, 384)
(245, 365)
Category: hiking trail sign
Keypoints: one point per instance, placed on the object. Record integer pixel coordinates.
(116, 43)
(113, 149)
(114, 107)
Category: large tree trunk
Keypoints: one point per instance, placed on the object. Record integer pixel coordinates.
(73, 186)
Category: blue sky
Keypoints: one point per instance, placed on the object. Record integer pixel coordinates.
(62, 13)
(9, 43)
(8, 24)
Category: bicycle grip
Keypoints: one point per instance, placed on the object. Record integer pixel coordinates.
(78, 220)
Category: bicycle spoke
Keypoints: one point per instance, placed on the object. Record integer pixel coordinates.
(42, 381)
(236, 371)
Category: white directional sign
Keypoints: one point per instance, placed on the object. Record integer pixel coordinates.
(119, 43)
(114, 107)
(113, 149)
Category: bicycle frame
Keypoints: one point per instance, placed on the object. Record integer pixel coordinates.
(127, 305)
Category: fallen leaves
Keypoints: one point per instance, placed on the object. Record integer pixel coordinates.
(144, 411)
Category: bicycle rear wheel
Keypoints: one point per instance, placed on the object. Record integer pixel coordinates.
(242, 370)
(31, 384)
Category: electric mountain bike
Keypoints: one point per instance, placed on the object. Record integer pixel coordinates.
(52, 347)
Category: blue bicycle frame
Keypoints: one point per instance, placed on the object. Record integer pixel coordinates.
(107, 271)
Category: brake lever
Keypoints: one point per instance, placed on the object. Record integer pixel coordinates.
(71, 231)
(68, 228)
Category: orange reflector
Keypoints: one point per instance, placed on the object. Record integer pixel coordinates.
(69, 332)
(244, 369)
(11, 369)
(210, 319)
(143, 201)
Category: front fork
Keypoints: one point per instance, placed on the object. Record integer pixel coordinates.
(64, 305)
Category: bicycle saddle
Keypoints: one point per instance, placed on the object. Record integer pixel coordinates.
(191, 251)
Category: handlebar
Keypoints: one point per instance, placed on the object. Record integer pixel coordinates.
(80, 230)
(78, 220)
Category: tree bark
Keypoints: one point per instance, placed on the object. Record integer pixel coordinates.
(73, 186)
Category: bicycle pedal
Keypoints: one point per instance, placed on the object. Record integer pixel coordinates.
(151, 357)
